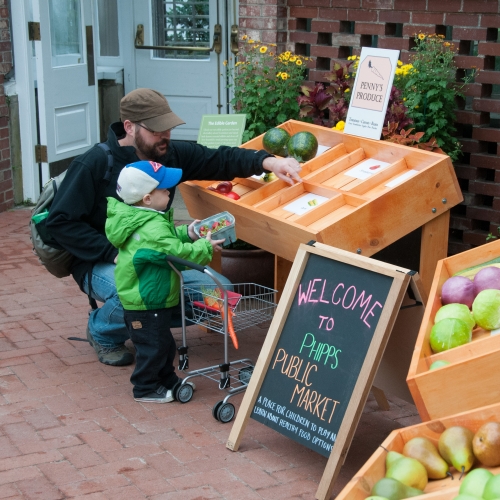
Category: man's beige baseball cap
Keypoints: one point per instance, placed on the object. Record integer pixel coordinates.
(149, 107)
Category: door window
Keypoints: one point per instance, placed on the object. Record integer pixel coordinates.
(181, 23)
(66, 32)
(108, 28)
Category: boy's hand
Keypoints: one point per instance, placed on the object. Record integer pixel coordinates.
(191, 232)
(216, 244)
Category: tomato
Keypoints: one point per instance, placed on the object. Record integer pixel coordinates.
(232, 195)
(224, 187)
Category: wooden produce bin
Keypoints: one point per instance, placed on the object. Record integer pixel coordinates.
(472, 378)
(360, 215)
(360, 485)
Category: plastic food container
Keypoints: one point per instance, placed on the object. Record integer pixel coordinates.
(221, 225)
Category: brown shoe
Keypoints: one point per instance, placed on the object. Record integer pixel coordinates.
(114, 356)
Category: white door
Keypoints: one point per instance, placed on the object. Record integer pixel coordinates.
(192, 81)
(66, 78)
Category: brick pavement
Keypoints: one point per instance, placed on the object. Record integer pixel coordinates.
(69, 427)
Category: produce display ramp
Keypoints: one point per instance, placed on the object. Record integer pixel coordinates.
(359, 195)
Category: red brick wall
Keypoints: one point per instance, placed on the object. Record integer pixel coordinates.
(6, 186)
(330, 29)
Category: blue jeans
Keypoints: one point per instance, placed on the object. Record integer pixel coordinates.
(107, 324)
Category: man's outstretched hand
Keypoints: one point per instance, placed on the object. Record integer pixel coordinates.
(286, 169)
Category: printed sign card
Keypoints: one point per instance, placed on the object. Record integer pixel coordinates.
(221, 130)
(371, 91)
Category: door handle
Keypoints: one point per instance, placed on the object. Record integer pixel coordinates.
(216, 45)
(234, 39)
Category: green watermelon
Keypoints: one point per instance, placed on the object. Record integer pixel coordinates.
(275, 141)
(302, 146)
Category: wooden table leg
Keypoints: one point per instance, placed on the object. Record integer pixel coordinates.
(433, 247)
(216, 263)
(281, 271)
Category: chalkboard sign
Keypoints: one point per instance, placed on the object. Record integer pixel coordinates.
(322, 351)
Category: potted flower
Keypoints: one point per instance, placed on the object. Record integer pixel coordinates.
(242, 262)
(265, 85)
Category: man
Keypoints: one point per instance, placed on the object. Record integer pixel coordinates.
(78, 212)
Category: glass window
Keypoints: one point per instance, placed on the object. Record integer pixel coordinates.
(66, 32)
(181, 22)
(108, 28)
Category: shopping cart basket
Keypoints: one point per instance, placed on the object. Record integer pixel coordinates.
(215, 307)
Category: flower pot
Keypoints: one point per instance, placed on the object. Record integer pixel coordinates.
(248, 266)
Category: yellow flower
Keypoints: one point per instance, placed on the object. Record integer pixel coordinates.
(271, 53)
(225, 63)
(340, 125)
(284, 57)
(244, 37)
(251, 41)
(293, 58)
(446, 44)
(238, 63)
(421, 36)
(284, 76)
(400, 63)
(441, 36)
(298, 62)
(278, 75)
(288, 54)
(263, 50)
(347, 90)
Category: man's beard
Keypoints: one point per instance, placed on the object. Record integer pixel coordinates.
(150, 151)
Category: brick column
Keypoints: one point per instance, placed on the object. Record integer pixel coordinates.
(6, 186)
(265, 21)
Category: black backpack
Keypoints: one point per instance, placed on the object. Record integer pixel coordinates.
(53, 256)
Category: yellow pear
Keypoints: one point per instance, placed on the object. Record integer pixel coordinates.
(392, 489)
(391, 457)
(423, 450)
(409, 471)
(486, 444)
(455, 446)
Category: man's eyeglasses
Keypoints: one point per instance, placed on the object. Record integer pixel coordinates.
(156, 134)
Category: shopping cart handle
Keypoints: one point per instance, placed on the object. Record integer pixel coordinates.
(182, 262)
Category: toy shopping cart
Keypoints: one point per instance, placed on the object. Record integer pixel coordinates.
(216, 308)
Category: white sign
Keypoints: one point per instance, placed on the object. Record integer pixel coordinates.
(305, 203)
(366, 168)
(371, 92)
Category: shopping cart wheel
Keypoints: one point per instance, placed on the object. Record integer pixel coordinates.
(215, 409)
(225, 412)
(183, 393)
(245, 374)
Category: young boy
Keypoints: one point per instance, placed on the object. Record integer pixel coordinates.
(144, 233)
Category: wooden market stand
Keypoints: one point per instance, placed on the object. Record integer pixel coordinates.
(361, 215)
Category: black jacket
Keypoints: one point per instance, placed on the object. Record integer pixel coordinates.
(78, 212)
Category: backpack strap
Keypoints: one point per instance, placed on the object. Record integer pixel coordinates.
(106, 180)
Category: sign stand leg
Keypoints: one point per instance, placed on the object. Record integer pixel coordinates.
(381, 399)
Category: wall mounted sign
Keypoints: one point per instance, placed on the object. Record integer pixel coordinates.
(371, 91)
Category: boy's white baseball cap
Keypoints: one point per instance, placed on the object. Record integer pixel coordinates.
(142, 177)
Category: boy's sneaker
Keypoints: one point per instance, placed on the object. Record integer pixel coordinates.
(161, 395)
(114, 356)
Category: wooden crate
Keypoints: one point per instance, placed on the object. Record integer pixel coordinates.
(360, 485)
(360, 215)
(472, 379)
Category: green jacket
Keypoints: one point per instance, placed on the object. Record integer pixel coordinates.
(144, 278)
